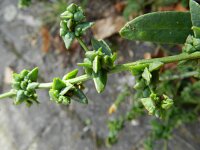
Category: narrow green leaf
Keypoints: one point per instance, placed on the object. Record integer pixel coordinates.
(161, 27)
(147, 75)
(100, 80)
(155, 66)
(96, 44)
(71, 75)
(149, 105)
(58, 84)
(68, 39)
(33, 74)
(80, 96)
(96, 64)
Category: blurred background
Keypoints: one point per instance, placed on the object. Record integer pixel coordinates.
(29, 37)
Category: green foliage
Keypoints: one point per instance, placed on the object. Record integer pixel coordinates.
(160, 27)
(24, 3)
(173, 102)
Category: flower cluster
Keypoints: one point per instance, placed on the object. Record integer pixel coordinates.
(25, 84)
(63, 92)
(98, 62)
(72, 24)
(146, 78)
(192, 45)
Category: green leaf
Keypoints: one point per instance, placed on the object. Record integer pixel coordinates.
(155, 66)
(83, 27)
(149, 104)
(196, 31)
(33, 74)
(96, 64)
(80, 96)
(68, 39)
(96, 44)
(71, 75)
(137, 69)
(161, 27)
(58, 84)
(90, 54)
(195, 13)
(100, 80)
(147, 75)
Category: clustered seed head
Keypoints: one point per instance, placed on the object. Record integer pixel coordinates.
(72, 24)
(25, 84)
(192, 44)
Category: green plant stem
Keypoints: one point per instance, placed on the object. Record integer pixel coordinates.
(7, 94)
(125, 67)
(84, 46)
(181, 76)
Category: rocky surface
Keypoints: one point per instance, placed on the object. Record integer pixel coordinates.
(49, 126)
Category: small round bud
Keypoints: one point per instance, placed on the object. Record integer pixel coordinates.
(72, 8)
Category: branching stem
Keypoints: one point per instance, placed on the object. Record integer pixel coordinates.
(120, 68)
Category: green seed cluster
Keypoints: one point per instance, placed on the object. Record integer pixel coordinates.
(63, 93)
(98, 62)
(192, 45)
(25, 84)
(147, 76)
(72, 24)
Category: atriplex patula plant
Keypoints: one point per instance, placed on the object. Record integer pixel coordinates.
(161, 27)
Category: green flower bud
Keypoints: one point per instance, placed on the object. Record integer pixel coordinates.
(66, 15)
(62, 32)
(23, 73)
(23, 84)
(79, 16)
(72, 8)
(188, 48)
(196, 44)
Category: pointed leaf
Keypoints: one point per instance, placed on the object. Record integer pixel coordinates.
(96, 44)
(161, 27)
(100, 80)
(68, 39)
(147, 76)
(149, 105)
(71, 74)
(58, 84)
(33, 74)
(80, 96)
(96, 64)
